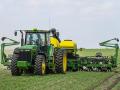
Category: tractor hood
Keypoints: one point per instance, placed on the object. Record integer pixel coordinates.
(28, 47)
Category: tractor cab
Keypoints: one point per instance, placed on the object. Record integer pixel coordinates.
(33, 42)
(39, 53)
(34, 37)
(37, 38)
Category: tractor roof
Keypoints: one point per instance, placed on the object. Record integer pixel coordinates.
(37, 31)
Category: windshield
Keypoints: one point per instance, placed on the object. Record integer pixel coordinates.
(35, 39)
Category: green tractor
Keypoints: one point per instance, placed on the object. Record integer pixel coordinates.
(36, 54)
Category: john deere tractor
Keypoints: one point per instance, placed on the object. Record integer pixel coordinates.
(39, 53)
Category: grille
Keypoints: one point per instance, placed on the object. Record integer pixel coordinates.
(25, 55)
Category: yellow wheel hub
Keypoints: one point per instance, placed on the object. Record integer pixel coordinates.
(64, 63)
(43, 67)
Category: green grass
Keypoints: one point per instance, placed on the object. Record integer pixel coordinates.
(117, 87)
(69, 81)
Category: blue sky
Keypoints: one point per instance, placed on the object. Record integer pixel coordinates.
(87, 22)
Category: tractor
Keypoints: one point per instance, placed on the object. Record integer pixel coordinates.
(39, 53)
(42, 52)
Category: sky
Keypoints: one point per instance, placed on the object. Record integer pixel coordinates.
(87, 22)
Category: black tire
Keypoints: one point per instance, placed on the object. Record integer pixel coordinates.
(59, 61)
(14, 69)
(40, 59)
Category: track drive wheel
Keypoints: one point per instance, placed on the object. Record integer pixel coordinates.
(61, 61)
(40, 65)
(14, 69)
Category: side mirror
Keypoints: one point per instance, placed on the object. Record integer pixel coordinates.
(15, 33)
(3, 38)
